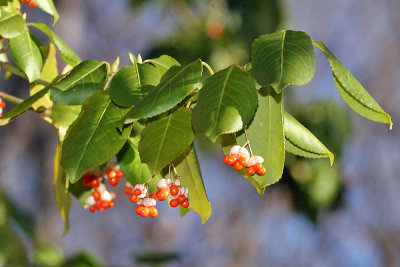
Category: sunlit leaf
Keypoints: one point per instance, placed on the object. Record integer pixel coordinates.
(163, 63)
(48, 7)
(11, 24)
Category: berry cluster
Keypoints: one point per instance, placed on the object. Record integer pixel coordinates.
(172, 188)
(2, 106)
(31, 3)
(240, 157)
(101, 199)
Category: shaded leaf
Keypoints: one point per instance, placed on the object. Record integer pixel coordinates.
(12, 250)
(48, 7)
(67, 54)
(174, 86)
(283, 58)
(126, 88)
(165, 139)
(226, 103)
(300, 141)
(190, 176)
(63, 116)
(81, 82)
(352, 92)
(163, 63)
(11, 24)
(93, 138)
(266, 135)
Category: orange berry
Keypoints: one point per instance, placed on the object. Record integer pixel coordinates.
(185, 204)
(128, 190)
(230, 159)
(139, 209)
(257, 166)
(2, 104)
(251, 170)
(174, 190)
(238, 166)
(133, 198)
(105, 204)
(137, 192)
(152, 195)
(243, 161)
(120, 174)
(95, 183)
(98, 206)
(153, 212)
(96, 195)
(143, 211)
(32, 3)
(181, 198)
(262, 170)
(111, 204)
(111, 174)
(113, 181)
(174, 203)
(162, 194)
(92, 208)
(23, 1)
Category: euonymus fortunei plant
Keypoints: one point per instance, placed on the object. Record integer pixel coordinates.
(146, 115)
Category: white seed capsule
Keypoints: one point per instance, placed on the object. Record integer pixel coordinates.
(90, 201)
(106, 196)
(140, 201)
(243, 152)
(142, 188)
(128, 184)
(149, 202)
(254, 160)
(234, 150)
(102, 188)
(176, 182)
(184, 191)
(162, 184)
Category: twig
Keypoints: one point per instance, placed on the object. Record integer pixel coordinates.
(11, 98)
(208, 67)
(247, 140)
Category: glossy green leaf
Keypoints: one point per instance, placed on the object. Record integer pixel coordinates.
(126, 88)
(67, 54)
(48, 73)
(63, 200)
(163, 63)
(300, 141)
(84, 79)
(93, 138)
(266, 135)
(48, 7)
(352, 92)
(228, 141)
(165, 139)
(226, 103)
(175, 85)
(26, 55)
(11, 24)
(283, 58)
(63, 116)
(190, 177)
(22, 107)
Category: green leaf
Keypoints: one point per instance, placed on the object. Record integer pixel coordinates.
(93, 138)
(352, 92)
(300, 141)
(11, 24)
(48, 73)
(226, 103)
(126, 88)
(3, 56)
(63, 200)
(84, 79)
(63, 116)
(48, 7)
(47, 255)
(26, 55)
(165, 139)
(175, 85)
(190, 177)
(283, 58)
(22, 107)
(12, 250)
(67, 54)
(228, 141)
(163, 63)
(266, 135)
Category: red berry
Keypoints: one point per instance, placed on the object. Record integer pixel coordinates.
(251, 170)
(174, 203)
(162, 194)
(243, 161)
(230, 159)
(152, 195)
(111, 204)
(238, 166)
(181, 198)
(98, 206)
(120, 174)
(92, 208)
(2, 104)
(137, 192)
(31, 3)
(185, 204)
(105, 204)
(142, 210)
(113, 181)
(153, 212)
(96, 194)
(257, 166)
(128, 190)
(133, 198)
(95, 183)
(262, 171)
(23, 1)
(111, 174)
(139, 209)
(174, 190)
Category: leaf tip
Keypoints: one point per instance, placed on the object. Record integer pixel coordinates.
(331, 157)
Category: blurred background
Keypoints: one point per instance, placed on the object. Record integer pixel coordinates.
(317, 215)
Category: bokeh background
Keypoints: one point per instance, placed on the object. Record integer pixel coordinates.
(317, 215)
